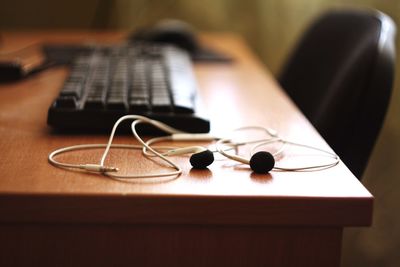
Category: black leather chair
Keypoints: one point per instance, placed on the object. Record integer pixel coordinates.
(341, 75)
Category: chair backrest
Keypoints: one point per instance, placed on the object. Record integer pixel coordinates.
(341, 75)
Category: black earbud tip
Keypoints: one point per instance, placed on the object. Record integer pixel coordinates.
(262, 162)
(202, 159)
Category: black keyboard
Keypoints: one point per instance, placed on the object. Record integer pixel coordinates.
(107, 82)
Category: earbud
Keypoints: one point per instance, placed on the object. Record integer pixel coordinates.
(262, 162)
(200, 159)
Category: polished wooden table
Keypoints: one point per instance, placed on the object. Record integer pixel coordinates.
(223, 216)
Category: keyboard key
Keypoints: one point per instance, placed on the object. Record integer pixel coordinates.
(96, 98)
(160, 95)
(97, 85)
(139, 100)
(72, 88)
(118, 94)
(182, 86)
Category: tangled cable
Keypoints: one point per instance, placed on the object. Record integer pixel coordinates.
(260, 162)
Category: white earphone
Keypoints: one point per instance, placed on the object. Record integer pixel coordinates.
(263, 161)
(260, 162)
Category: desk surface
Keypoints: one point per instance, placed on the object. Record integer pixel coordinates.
(239, 94)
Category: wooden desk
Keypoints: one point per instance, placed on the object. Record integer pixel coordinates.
(224, 216)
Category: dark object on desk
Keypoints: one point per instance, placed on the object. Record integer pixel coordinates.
(11, 71)
(108, 82)
(202, 160)
(174, 32)
(182, 35)
(341, 76)
(62, 54)
(262, 162)
(21, 63)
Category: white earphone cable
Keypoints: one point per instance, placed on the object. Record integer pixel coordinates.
(222, 145)
(111, 171)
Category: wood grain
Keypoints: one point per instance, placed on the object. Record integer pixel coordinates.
(223, 216)
(172, 245)
(243, 93)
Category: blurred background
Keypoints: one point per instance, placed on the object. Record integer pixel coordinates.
(271, 28)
